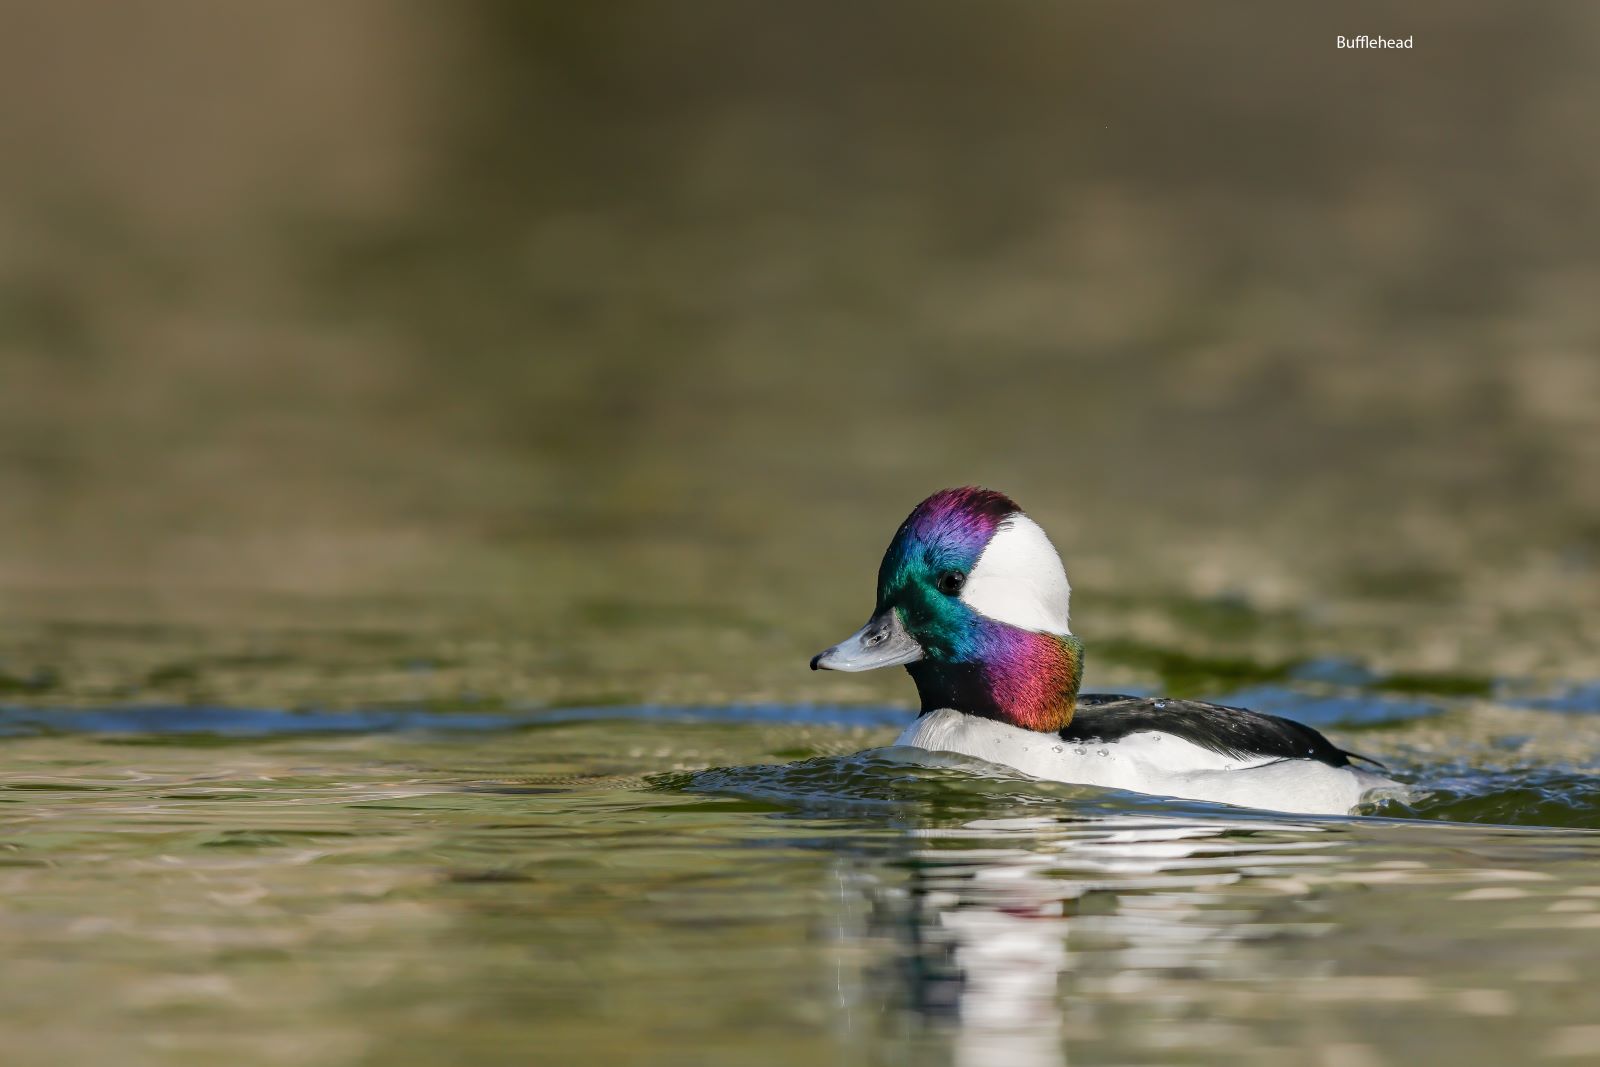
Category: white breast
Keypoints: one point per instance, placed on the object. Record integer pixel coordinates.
(1151, 762)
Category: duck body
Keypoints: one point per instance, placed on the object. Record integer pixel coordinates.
(1172, 748)
(972, 601)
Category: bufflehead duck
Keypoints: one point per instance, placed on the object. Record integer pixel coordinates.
(972, 601)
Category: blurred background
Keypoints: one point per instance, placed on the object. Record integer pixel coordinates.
(586, 353)
(530, 389)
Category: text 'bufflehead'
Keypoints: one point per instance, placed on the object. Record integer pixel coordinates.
(972, 601)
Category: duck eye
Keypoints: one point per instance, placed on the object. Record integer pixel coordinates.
(950, 582)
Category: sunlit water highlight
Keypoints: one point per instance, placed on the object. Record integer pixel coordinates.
(764, 884)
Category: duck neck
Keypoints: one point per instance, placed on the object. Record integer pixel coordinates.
(1021, 677)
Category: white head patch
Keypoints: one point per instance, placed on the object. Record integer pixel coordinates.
(1019, 580)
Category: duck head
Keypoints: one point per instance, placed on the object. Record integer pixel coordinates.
(972, 601)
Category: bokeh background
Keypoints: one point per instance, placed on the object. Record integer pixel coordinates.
(457, 368)
(539, 354)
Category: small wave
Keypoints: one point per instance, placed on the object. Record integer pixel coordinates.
(233, 722)
(1522, 797)
(940, 786)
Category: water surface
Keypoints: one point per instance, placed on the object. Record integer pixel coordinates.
(434, 438)
(763, 884)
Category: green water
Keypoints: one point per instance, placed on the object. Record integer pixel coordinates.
(434, 438)
(756, 885)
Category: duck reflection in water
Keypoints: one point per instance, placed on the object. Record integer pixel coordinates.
(997, 920)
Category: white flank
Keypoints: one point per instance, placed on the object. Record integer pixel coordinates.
(1152, 762)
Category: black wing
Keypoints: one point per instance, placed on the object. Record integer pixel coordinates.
(1234, 732)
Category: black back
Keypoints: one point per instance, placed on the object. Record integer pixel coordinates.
(1233, 732)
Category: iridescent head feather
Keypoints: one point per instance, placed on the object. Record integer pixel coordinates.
(973, 601)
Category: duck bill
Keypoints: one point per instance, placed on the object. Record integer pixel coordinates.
(882, 642)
